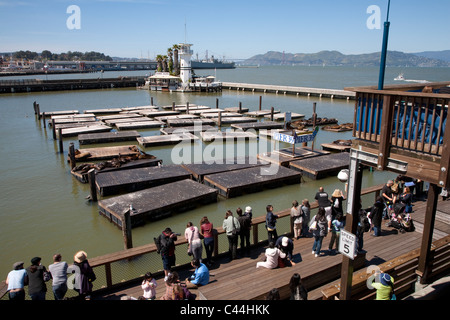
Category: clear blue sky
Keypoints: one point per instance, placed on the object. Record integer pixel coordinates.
(230, 28)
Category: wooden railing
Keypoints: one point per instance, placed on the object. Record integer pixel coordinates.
(411, 121)
(403, 269)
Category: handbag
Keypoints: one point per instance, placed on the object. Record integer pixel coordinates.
(313, 225)
(235, 231)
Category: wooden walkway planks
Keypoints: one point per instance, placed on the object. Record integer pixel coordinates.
(232, 120)
(166, 139)
(200, 170)
(260, 113)
(189, 122)
(91, 138)
(258, 125)
(235, 183)
(321, 166)
(281, 116)
(114, 182)
(157, 202)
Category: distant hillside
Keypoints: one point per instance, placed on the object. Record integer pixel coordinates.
(335, 58)
(440, 55)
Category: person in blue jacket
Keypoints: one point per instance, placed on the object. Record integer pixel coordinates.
(271, 220)
(200, 276)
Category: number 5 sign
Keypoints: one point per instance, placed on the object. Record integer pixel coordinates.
(347, 243)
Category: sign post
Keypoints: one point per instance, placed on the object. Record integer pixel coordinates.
(347, 242)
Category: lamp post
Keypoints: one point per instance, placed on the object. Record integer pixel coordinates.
(384, 50)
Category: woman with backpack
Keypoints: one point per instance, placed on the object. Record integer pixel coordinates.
(319, 230)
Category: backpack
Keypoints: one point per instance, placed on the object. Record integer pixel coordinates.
(365, 225)
(158, 244)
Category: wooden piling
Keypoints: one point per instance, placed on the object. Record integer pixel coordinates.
(217, 103)
(34, 108)
(240, 107)
(43, 119)
(173, 106)
(92, 188)
(151, 101)
(73, 162)
(187, 107)
(53, 129)
(219, 119)
(61, 145)
(38, 109)
(271, 113)
(126, 230)
(260, 103)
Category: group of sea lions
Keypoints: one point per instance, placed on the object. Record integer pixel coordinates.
(116, 162)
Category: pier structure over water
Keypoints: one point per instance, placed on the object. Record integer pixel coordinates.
(303, 91)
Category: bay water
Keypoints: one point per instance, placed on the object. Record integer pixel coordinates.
(44, 210)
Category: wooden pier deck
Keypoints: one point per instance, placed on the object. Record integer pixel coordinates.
(258, 125)
(107, 137)
(322, 166)
(232, 120)
(236, 109)
(281, 116)
(115, 182)
(261, 113)
(157, 202)
(285, 156)
(222, 114)
(239, 279)
(166, 139)
(200, 170)
(303, 91)
(190, 122)
(235, 183)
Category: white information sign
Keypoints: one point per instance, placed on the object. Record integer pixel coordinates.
(347, 242)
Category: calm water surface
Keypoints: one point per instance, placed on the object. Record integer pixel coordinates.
(44, 210)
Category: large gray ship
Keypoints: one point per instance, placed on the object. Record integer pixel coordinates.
(212, 64)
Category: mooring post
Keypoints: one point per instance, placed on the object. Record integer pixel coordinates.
(43, 119)
(53, 129)
(271, 113)
(38, 111)
(173, 106)
(217, 103)
(126, 229)
(72, 155)
(61, 145)
(240, 107)
(92, 189)
(151, 100)
(187, 107)
(34, 108)
(219, 119)
(260, 102)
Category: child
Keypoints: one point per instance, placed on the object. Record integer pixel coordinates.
(149, 285)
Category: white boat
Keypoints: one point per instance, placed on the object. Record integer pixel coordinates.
(400, 77)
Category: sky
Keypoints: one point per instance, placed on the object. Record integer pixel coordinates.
(229, 29)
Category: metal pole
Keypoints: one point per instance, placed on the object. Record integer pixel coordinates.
(384, 50)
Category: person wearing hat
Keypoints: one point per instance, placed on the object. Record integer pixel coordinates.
(86, 275)
(336, 199)
(384, 287)
(37, 289)
(16, 280)
(286, 246)
(248, 212)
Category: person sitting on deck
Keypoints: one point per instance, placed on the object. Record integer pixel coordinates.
(286, 246)
(272, 254)
(200, 276)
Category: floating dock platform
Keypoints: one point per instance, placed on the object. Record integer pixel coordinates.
(106, 153)
(322, 166)
(200, 170)
(138, 125)
(166, 139)
(107, 137)
(227, 135)
(75, 131)
(157, 202)
(190, 129)
(235, 183)
(284, 156)
(122, 181)
(258, 125)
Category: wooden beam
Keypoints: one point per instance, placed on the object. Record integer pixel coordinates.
(425, 259)
(386, 131)
(444, 176)
(353, 207)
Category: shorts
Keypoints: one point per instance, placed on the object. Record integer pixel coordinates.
(168, 261)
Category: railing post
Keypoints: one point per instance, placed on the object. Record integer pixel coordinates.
(255, 234)
(386, 131)
(108, 274)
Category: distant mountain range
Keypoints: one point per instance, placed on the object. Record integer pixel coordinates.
(335, 58)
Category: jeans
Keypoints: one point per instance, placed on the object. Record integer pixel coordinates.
(245, 242)
(334, 237)
(38, 295)
(232, 245)
(59, 291)
(197, 249)
(376, 231)
(272, 236)
(317, 244)
(209, 247)
(17, 295)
